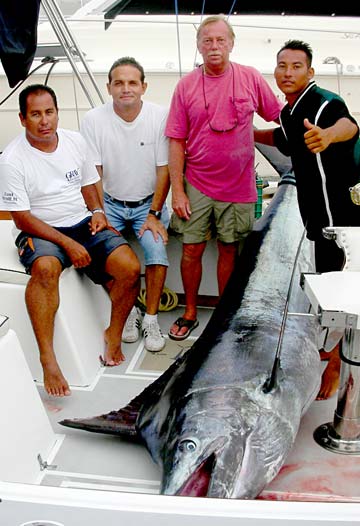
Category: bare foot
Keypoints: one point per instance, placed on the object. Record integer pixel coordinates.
(113, 354)
(54, 381)
(331, 376)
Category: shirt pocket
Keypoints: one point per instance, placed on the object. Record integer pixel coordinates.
(244, 109)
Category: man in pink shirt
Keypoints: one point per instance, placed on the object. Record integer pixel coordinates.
(211, 158)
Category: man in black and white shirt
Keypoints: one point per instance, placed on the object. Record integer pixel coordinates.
(322, 139)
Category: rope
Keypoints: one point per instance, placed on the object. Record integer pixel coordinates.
(168, 300)
(178, 36)
(49, 72)
(44, 62)
(201, 18)
(231, 8)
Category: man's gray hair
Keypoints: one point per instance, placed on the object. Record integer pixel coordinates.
(212, 20)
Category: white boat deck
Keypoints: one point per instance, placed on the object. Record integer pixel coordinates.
(90, 474)
(102, 462)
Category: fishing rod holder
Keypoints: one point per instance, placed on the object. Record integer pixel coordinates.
(335, 298)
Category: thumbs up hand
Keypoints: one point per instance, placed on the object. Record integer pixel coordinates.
(316, 139)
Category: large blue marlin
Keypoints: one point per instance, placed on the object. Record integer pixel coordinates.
(209, 420)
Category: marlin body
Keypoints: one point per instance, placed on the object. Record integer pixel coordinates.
(208, 421)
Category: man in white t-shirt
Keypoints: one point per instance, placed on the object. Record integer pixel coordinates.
(48, 183)
(130, 151)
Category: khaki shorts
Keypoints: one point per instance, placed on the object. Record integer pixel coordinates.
(227, 222)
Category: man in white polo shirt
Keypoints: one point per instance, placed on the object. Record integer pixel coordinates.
(48, 184)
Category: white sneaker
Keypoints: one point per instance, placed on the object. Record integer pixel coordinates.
(154, 340)
(131, 331)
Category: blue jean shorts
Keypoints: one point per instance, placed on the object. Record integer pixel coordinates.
(121, 217)
(99, 247)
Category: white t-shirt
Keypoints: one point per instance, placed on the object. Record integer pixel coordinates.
(47, 184)
(128, 152)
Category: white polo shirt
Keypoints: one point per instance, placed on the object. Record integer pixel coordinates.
(47, 184)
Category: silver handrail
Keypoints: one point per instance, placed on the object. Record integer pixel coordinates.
(71, 47)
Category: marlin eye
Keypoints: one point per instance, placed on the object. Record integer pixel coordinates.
(187, 445)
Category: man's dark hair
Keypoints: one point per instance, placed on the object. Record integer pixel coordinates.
(37, 89)
(127, 61)
(300, 46)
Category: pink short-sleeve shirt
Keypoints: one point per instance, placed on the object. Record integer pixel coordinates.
(221, 163)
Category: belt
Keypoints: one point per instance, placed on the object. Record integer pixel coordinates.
(131, 204)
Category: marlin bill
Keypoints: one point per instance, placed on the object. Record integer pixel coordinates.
(213, 421)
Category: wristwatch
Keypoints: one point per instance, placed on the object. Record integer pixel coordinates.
(155, 213)
(98, 210)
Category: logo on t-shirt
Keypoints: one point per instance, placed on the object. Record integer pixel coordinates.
(9, 197)
(73, 176)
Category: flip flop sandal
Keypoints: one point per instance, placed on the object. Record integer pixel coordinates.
(182, 322)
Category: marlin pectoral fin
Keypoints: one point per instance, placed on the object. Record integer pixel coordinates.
(121, 422)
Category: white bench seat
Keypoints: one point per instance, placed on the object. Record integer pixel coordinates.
(80, 321)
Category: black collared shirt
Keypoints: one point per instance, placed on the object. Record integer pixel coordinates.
(323, 180)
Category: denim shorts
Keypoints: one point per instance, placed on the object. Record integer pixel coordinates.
(121, 217)
(99, 247)
(227, 222)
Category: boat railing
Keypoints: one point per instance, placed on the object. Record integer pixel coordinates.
(70, 47)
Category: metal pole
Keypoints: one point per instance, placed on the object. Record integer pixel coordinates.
(70, 46)
(347, 413)
(343, 434)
